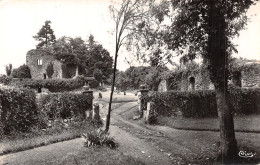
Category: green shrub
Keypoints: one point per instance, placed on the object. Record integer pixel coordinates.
(64, 105)
(17, 110)
(99, 138)
(203, 103)
(22, 72)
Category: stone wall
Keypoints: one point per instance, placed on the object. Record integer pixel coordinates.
(32, 57)
(250, 79)
(162, 86)
(246, 76)
(39, 71)
(57, 68)
(203, 82)
(197, 80)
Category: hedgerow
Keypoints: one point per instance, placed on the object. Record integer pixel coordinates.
(64, 105)
(203, 103)
(18, 110)
(245, 100)
(53, 85)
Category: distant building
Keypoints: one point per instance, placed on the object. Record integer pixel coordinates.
(38, 60)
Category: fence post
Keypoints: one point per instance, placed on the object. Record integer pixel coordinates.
(89, 93)
(143, 103)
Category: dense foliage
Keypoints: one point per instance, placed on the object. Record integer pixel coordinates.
(90, 57)
(133, 77)
(203, 103)
(21, 72)
(18, 110)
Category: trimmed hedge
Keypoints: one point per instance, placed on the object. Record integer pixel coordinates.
(245, 100)
(18, 110)
(203, 103)
(64, 105)
(53, 85)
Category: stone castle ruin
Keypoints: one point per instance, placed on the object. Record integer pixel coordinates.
(198, 79)
(39, 60)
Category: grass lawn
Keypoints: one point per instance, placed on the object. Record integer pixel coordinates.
(24, 141)
(117, 97)
(248, 123)
(245, 123)
(98, 155)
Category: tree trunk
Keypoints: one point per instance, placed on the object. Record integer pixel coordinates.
(218, 69)
(228, 144)
(112, 91)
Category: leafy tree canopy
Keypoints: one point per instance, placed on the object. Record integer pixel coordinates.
(90, 56)
(21, 72)
(133, 77)
(45, 36)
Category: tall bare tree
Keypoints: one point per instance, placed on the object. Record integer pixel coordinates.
(127, 16)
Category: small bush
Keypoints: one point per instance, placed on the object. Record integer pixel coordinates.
(64, 105)
(22, 72)
(5, 80)
(99, 138)
(203, 103)
(17, 110)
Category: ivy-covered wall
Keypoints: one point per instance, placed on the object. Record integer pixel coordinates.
(244, 76)
(250, 78)
(186, 80)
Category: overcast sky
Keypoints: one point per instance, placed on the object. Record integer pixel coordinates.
(22, 19)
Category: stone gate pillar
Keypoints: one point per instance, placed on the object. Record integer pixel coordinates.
(86, 91)
(95, 115)
(143, 103)
(150, 115)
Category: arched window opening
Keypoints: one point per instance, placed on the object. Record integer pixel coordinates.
(192, 83)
